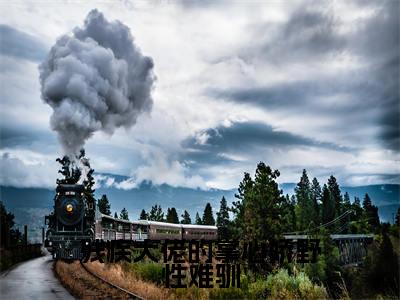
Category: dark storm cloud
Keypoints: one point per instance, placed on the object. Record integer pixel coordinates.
(203, 157)
(19, 44)
(303, 95)
(370, 93)
(309, 34)
(17, 136)
(380, 44)
(243, 137)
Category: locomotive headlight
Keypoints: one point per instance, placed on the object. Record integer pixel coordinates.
(69, 208)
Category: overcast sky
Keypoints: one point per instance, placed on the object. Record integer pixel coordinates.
(294, 84)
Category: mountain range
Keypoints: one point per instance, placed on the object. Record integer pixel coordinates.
(30, 205)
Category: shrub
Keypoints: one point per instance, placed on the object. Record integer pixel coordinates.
(149, 271)
(283, 286)
(226, 293)
(258, 289)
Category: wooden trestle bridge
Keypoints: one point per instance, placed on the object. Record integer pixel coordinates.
(352, 247)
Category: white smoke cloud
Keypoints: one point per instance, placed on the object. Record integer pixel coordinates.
(95, 79)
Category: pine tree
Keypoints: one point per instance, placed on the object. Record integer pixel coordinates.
(198, 220)
(357, 224)
(89, 183)
(305, 206)
(208, 218)
(6, 225)
(371, 213)
(356, 207)
(288, 214)
(104, 205)
(383, 272)
(367, 203)
(115, 215)
(223, 219)
(186, 218)
(346, 202)
(245, 192)
(124, 214)
(328, 205)
(172, 216)
(258, 212)
(347, 207)
(143, 215)
(316, 196)
(398, 217)
(156, 213)
(336, 195)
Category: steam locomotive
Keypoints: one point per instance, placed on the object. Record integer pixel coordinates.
(76, 218)
(72, 221)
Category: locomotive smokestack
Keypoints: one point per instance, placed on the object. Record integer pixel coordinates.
(95, 79)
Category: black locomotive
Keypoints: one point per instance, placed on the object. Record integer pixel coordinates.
(71, 222)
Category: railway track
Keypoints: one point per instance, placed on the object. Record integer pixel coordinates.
(128, 293)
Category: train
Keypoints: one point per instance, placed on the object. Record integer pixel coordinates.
(76, 217)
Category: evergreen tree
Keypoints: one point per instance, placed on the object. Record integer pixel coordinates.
(356, 207)
(245, 192)
(346, 202)
(328, 205)
(383, 268)
(330, 260)
(336, 195)
(89, 183)
(316, 196)
(258, 212)
(124, 214)
(347, 207)
(208, 218)
(115, 215)
(223, 219)
(293, 200)
(371, 213)
(304, 201)
(288, 214)
(156, 213)
(104, 205)
(367, 203)
(398, 217)
(186, 218)
(172, 216)
(6, 225)
(358, 224)
(143, 215)
(198, 220)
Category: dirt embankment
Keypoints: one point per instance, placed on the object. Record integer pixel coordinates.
(82, 284)
(85, 286)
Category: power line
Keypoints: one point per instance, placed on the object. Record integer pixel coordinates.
(324, 225)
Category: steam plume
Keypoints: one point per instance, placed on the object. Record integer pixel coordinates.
(95, 79)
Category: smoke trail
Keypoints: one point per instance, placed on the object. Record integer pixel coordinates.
(95, 79)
